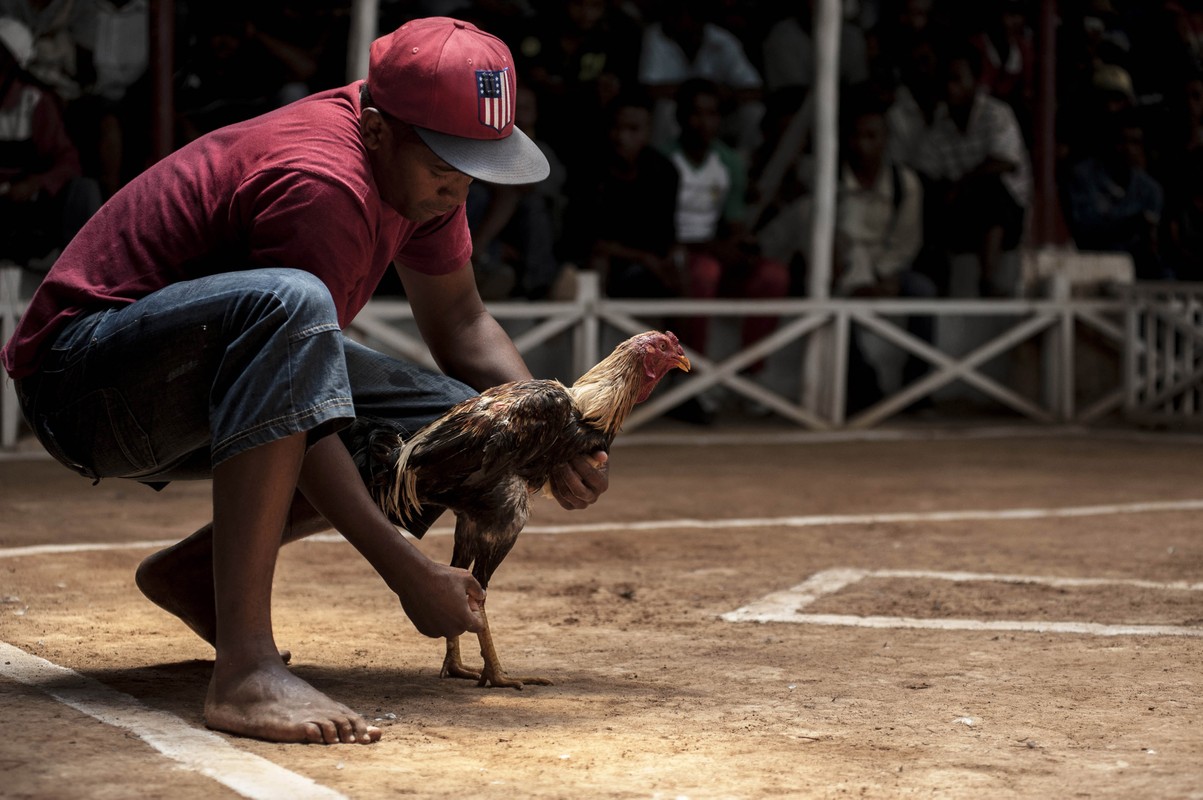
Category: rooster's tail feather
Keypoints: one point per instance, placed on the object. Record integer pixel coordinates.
(402, 499)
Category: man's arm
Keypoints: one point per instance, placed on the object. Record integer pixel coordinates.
(465, 340)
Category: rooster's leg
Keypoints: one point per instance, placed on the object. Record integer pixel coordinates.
(453, 665)
(492, 674)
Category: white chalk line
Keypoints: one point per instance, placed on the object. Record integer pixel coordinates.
(810, 521)
(787, 605)
(198, 750)
(1014, 626)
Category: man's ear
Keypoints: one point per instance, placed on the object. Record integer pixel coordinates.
(373, 127)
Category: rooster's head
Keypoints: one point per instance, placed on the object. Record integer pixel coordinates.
(661, 353)
(606, 394)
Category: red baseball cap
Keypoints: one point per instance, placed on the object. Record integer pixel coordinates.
(455, 84)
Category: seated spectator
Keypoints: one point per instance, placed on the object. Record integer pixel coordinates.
(112, 128)
(619, 220)
(684, 44)
(789, 52)
(1009, 59)
(1092, 82)
(977, 173)
(915, 98)
(44, 200)
(229, 74)
(1177, 134)
(879, 230)
(1114, 204)
(514, 228)
(722, 258)
(902, 23)
(577, 58)
(1183, 225)
(780, 178)
(63, 34)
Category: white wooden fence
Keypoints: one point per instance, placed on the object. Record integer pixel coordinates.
(1164, 361)
(1053, 328)
(1154, 332)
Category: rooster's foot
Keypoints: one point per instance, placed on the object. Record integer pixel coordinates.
(453, 666)
(495, 676)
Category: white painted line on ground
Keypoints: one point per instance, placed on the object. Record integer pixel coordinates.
(814, 520)
(196, 749)
(817, 520)
(787, 605)
(1020, 626)
(1045, 580)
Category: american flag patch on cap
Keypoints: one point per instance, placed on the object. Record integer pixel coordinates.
(494, 97)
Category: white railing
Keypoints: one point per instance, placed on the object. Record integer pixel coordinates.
(12, 301)
(1055, 326)
(1163, 375)
(973, 335)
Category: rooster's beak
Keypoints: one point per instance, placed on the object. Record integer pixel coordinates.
(683, 363)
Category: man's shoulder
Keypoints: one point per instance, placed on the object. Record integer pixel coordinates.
(316, 137)
(656, 166)
(994, 115)
(729, 156)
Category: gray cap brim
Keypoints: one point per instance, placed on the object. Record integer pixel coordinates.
(514, 159)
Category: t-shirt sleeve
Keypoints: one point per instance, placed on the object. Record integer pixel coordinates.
(734, 204)
(301, 221)
(440, 246)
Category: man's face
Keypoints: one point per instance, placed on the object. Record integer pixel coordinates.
(1131, 146)
(704, 119)
(411, 179)
(630, 132)
(1194, 99)
(585, 14)
(961, 84)
(868, 141)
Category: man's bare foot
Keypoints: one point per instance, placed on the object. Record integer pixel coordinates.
(179, 580)
(181, 583)
(266, 701)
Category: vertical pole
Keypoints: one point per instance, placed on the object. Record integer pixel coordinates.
(587, 333)
(10, 289)
(162, 65)
(826, 145)
(364, 20)
(1044, 204)
(817, 391)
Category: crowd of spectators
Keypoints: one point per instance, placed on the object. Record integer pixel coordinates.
(679, 131)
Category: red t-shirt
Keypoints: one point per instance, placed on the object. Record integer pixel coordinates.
(292, 188)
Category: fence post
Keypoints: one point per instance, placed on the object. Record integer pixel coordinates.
(587, 334)
(10, 304)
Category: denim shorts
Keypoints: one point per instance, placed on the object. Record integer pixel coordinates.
(169, 386)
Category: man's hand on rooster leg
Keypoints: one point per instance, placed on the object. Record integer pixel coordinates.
(581, 481)
(444, 601)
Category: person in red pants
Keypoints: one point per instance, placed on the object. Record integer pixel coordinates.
(721, 258)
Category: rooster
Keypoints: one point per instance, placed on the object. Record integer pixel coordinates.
(486, 456)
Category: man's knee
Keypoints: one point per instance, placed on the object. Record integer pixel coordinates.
(771, 279)
(705, 272)
(300, 297)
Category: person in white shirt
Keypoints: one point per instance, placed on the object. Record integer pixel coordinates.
(722, 258)
(977, 172)
(683, 44)
(879, 233)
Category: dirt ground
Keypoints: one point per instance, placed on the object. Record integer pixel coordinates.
(655, 694)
